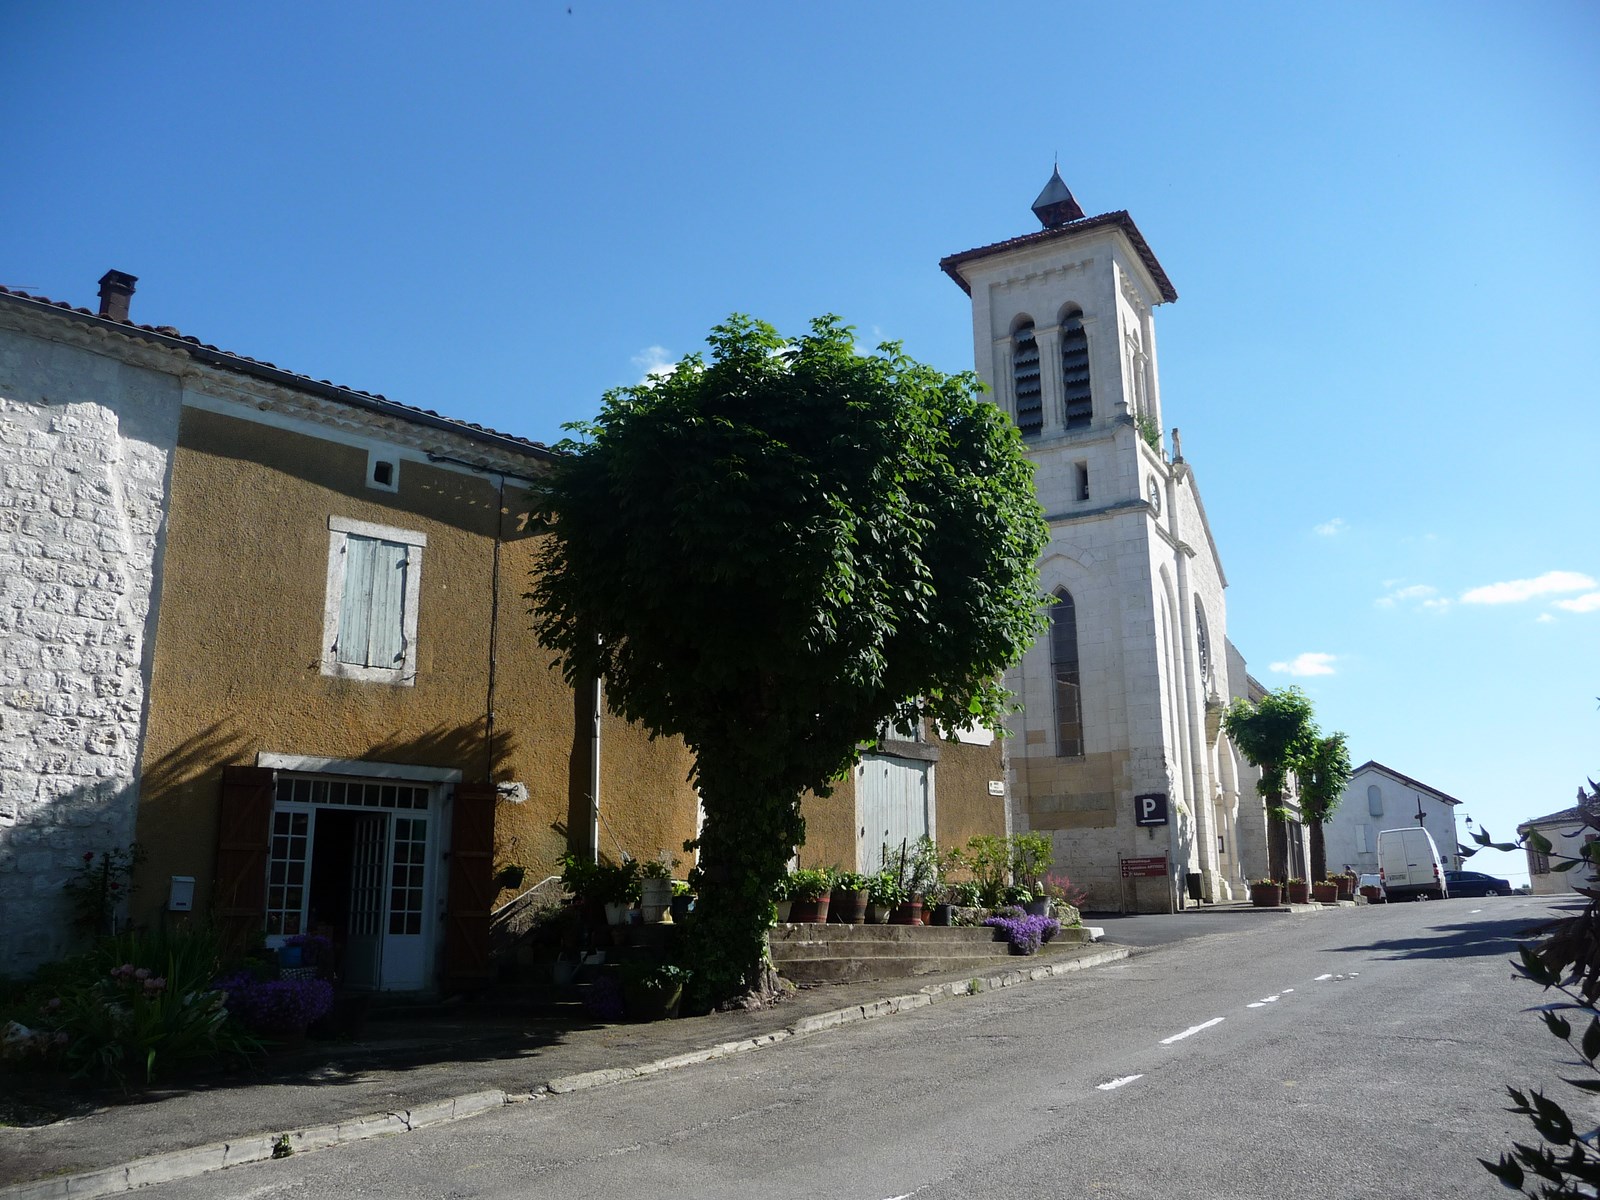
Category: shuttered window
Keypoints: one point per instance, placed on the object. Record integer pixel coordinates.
(1065, 668)
(1025, 381)
(1075, 372)
(1374, 800)
(370, 619)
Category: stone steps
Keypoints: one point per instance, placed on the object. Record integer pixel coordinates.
(847, 953)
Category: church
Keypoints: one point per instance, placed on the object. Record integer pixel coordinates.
(1117, 750)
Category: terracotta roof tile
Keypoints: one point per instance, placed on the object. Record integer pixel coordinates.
(243, 363)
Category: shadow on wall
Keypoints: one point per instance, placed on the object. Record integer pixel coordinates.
(43, 855)
(465, 747)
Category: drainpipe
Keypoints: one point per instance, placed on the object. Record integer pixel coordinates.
(596, 708)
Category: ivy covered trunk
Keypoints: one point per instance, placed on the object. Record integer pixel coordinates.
(1277, 840)
(751, 827)
(1319, 852)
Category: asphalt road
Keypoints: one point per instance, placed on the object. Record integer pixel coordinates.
(1353, 1052)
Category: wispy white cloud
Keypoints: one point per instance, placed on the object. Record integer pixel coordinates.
(1581, 604)
(653, 362)
(1515, 591)
(1421, 595)
(1310, 663)
(1331, 528)
(1543, 619)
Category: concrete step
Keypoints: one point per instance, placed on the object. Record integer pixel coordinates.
(849, 953)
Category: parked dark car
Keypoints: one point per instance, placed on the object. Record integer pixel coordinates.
(1475, 883)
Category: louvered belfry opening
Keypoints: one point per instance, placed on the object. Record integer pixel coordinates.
(1025, 378)
(1075, 371)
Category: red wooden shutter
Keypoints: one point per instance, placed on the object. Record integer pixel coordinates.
(471, 892)
(244, 832)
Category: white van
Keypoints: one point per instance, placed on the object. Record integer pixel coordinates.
(1408, 862)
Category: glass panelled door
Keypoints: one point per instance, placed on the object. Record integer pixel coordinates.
(363, 951)
(355, 858)
(405, 959)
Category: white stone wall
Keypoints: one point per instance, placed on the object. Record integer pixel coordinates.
(1341, 835)
(85, 449)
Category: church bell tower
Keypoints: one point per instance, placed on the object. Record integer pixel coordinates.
(1116, 696)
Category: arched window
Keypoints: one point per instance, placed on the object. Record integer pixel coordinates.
(1075, 370)
(1374, 800)
(1202, 641)
(1025, 380)
(1064, 669)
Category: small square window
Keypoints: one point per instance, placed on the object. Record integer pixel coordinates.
(383, 471)
(370, 611)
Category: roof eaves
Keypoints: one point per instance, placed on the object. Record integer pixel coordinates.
(165, 335)
(952, 263)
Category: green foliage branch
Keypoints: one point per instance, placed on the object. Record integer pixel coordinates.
(771, 553)
(1565, 1163)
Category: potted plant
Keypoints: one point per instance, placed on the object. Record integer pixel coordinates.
(682, 901)
(808, 894)
(1347, 885)
(1298, 891)
(884, 895)
(782, 904)
(1325, 892)
(938, 908)
(1266, 893)
(848, 902)
(655, 888)
(651, 992)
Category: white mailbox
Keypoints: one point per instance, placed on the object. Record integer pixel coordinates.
(181, 896)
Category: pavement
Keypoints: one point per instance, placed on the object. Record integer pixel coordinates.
(410, 1069)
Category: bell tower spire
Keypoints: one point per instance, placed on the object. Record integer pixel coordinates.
(1056, 205)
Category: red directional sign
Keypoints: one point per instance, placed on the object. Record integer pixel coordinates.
(1135, 868)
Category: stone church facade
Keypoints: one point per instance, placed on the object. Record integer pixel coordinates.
(1117, 751)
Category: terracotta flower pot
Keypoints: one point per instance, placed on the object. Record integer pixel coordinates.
(1298, 893)
(848, 908)
(1326, 892)
(809, 912)
(909, 913)
(1266, 895)
(1347, 887)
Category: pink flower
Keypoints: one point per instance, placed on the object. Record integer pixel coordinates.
(142, 973)
(55, 1002)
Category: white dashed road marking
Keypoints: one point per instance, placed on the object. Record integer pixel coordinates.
(1192, 1030)
(1320, 978)
(1116, 1083)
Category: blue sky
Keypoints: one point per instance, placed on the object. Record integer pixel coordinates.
(1379, 219)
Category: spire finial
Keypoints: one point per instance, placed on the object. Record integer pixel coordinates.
(1056, 205)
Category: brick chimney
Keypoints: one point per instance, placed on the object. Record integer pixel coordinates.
(116, 289)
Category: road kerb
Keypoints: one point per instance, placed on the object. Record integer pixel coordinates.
(201, 1160)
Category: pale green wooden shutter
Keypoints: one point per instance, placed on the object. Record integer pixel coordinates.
(372, 613)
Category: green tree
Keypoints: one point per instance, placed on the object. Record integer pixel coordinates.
(1323, 776)
(772, 553)
(1277, 735)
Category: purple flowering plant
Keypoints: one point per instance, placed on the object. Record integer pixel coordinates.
(275, 1006)
(1025, 934)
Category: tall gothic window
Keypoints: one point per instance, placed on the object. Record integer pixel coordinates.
(1025, 380)
(1064, 668)
(1075, 370)
(1202, 638)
